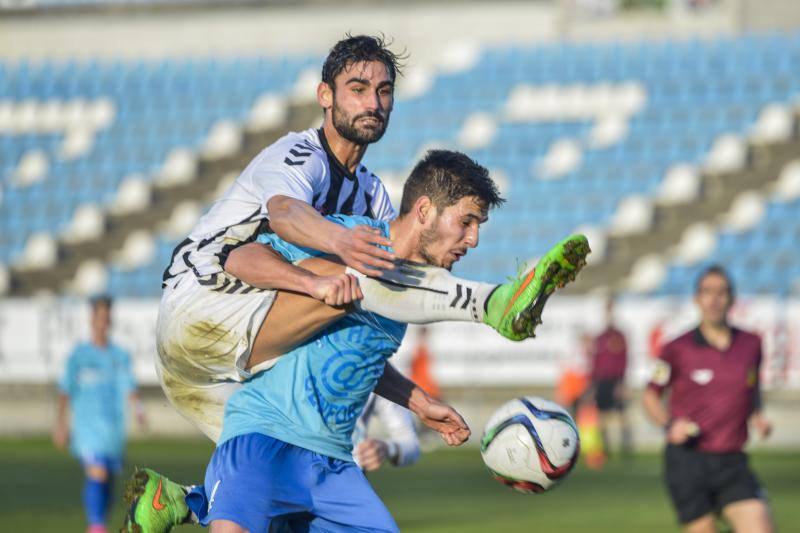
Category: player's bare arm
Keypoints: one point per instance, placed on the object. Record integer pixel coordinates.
(61, 426)
(436, 415)
(678, 430)
(299, 223)
(260, 266)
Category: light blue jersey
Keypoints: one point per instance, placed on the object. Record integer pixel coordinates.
(98, 382)
(314, 394)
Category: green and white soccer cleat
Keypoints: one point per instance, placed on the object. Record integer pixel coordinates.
(155, 503)
(515, 308)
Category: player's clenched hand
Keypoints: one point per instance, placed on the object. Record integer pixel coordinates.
(682, 429)
(762, 425)
(60, 436)
(359, 248)
(371, 454)
(446, 421)
(341, 289)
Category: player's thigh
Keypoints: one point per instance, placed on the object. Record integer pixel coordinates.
(295, 317)
(749, 516)
(204, 334)
(96, 472)
(202, 405)
(226, 526)
(345, 501)
(704, 524)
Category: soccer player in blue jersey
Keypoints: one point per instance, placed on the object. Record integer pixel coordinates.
(96, 384)
(285, 454)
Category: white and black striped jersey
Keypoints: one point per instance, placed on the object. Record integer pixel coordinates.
(299, 165)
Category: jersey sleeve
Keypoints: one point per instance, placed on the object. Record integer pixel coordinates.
(380, 203)
(663, 372)
(66, 383)
(127, 378)
(275, 177)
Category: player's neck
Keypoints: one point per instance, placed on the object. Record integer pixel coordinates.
(404, 239)
(100, 340)
(718, 334)
(346, 152)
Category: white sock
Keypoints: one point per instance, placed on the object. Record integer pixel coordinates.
(419, 294)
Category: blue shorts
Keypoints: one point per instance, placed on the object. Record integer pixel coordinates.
(264, 484)
(112, 464)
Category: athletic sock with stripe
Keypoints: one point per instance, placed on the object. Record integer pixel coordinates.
(419, 294)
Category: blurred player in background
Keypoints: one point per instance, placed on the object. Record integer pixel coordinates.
(400, 447)
(422, 365)
(712, 373)
(96, 385)
(609, 353)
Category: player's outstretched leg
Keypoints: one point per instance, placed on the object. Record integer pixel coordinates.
(515, 308)
(155, 503)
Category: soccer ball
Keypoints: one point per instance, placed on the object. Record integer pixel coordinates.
(530, 444)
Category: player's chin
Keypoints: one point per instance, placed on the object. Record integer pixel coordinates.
(370, 133)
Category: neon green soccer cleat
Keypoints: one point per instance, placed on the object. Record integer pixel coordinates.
(515, 308)
(155, 504)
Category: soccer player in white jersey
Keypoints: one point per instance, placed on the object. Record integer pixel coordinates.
(215, 328)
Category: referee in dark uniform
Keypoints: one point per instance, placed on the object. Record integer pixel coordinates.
(712, 372)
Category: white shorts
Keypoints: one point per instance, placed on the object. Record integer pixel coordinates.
(204, 339)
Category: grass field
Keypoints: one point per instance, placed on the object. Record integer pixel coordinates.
(448, 491)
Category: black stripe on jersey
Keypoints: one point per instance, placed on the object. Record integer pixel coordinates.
(237, 284)
(167, 276)
(368, 200)
(205, 242)
(296, 155)
(190, 264)
(332, 198)
(222, 255)
(212, 279)
(305, 143)
(249, 289)
(347, 206)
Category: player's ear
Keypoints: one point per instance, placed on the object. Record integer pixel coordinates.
(325, 95)
(424, 209)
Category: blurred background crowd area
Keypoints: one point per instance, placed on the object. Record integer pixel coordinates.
(667, 131)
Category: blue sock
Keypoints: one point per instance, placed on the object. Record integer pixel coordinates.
(96, 495)
(197, 502)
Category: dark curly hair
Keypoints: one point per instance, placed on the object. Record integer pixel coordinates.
(355, 49)
(446, 176)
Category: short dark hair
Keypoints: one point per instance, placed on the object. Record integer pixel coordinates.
(101, 299)
(446, 176)
(715, 270)
(355, 49)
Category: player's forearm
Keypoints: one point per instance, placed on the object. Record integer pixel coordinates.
(62, 409)
(654, 407)
(260, 266)
(398, 389)
(297, 222)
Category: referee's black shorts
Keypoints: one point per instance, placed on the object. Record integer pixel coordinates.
(605, 395)
(700, 483)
